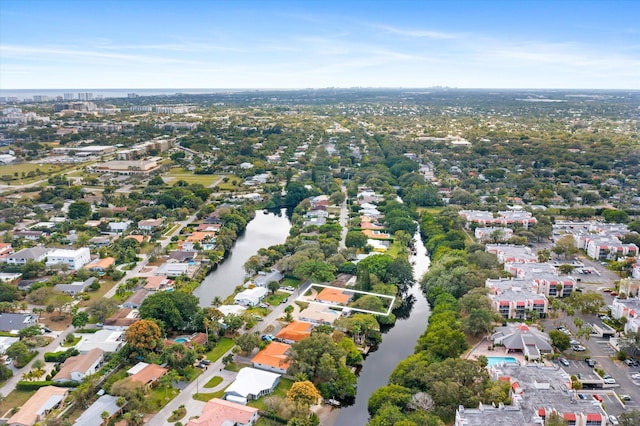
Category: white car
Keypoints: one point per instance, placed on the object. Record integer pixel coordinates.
(8, 361)
(610, 381)
(635, 376)
(613, 420)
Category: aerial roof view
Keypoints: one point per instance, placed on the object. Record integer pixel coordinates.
(335, 213)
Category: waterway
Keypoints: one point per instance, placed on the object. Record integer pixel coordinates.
(397, 344)
(264, 230)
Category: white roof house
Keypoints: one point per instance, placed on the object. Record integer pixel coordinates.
(251, 384)
(74, 259)
(107, 340)
(93, 415)
(251, 297)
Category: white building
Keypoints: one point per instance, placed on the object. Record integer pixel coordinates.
(75, 259)
(251, 297)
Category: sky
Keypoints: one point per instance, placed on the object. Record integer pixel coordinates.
(583, 44)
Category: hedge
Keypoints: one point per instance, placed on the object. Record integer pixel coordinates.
(60, 356)
(29, 386)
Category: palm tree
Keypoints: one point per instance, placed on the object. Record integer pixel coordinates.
(216, 301)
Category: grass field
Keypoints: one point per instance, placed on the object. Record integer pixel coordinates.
(187, 176)
(229, 184)
(23, 170)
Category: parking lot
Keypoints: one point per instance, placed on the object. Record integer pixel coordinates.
(599, 350)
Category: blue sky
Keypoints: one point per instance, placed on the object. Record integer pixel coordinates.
(302, 44)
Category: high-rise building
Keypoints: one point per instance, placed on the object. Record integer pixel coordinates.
(69, 96)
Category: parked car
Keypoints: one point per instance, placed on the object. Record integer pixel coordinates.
(578, 348)
(268, 337)
(8, 361)
(635, 376)
(264, 305)
(205, 362)
(590, 362)
(613, 420)
(610, 381)
(597, 397)
(574, 342)
(625, 397)
(563, 361)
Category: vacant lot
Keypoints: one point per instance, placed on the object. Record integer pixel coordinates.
(187, 176)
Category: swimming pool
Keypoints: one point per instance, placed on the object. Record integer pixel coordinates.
(493, 360)
(181, 340)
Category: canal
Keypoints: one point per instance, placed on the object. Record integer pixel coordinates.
(397, 344)
(264, 230)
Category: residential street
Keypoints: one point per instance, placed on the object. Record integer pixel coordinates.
(142, 263)
(10, 385)
(185, 398)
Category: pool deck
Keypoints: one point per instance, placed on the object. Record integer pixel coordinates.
(482, 348)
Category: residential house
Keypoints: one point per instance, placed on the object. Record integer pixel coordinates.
(264, 278)
(319, 314)
(147, 374)
(334, 296)
(100, 241)
(74, 259)
(119, 227)
(181, 256)
(107, 340)
(76, 368)
(36, 254)
(76, 287)
(38, 406)
(218, 412)
(251, 297)
(158, 283)
(6, 249)
(122, 319)
(295, 331)
(135, 300)
(150, 225)
(274, 357)
(250, 384)
(11, 322)
(100, 266)
(28, 235)
(208, 227)
(139, 238)
(92, 416)
(172, 269)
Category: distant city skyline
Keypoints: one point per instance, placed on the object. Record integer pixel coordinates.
(315, 44)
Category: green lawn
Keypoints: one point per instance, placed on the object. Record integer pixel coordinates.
(15, 399)
(215, 381)
(290, 282)
(158, 398)
(204, 397)
(276, 298)
(221, 348)
(280, 390)
(190, 178)
(229, 184)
